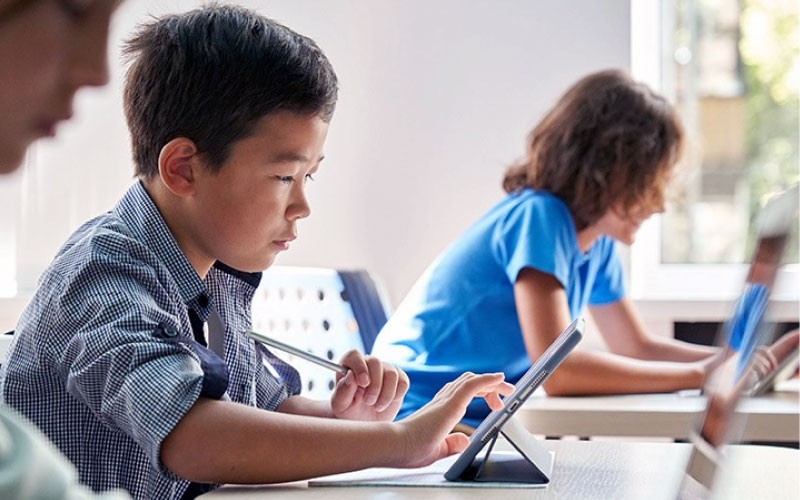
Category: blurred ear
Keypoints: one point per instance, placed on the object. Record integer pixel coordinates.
(177, 166)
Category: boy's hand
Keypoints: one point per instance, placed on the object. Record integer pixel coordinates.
(428, 432)
(372, 390)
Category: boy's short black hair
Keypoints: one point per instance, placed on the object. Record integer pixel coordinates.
(210, 74)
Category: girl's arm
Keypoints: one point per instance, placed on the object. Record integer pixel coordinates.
(625, 334)
(543, 313)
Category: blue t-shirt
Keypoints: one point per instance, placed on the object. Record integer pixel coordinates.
(461, 315)
(743, 328)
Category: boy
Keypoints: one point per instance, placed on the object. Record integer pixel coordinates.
(132, 355)
(40, 76)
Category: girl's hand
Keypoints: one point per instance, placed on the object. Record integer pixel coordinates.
(767, 358)
(371, 391)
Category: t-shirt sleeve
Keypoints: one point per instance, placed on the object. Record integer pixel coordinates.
(609, 284)
(538, 234)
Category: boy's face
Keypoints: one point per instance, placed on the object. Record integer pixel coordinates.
(247, 212)
(48, 50)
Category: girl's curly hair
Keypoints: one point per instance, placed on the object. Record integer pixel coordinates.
(609, 142)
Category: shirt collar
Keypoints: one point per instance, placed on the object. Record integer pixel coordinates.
(142, 217)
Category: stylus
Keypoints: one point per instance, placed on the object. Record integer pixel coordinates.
(297, 352)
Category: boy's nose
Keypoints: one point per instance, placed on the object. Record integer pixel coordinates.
(88, 65)
(299, 209)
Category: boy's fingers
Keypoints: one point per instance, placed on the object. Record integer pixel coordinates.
(493, 397)
(469, 385)
(483, 384)
(493, 400)
(455, 443)
(505, 388)
(355, 361)
(344, 394)
(376, 373)
(388, 389)
(403, 383)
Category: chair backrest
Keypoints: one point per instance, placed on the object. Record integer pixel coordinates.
(324, 311)
(5, 343)
(368, 303)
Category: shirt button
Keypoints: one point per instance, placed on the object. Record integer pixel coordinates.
(168, 330)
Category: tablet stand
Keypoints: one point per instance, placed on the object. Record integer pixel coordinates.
(534, 465)
(703, 461)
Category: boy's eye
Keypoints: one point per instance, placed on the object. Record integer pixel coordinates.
(288, 179)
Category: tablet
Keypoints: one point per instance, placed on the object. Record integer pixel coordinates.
(469, 467)
(743, 332)
(786, 368)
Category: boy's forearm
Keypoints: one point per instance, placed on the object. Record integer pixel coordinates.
(300, 405)
(224, 442)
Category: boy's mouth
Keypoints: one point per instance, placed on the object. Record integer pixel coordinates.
(283, 244)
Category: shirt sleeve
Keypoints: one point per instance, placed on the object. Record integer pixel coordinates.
(122, 348)
(276, 380)
(609, 283)
(537, 234)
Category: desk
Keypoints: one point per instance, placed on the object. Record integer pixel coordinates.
(592, 470)
(774, 417)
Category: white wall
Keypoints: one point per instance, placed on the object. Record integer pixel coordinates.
(436, 99)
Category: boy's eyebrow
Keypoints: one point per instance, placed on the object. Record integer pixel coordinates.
(293, 157)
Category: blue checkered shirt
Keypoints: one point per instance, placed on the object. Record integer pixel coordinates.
(105, 359)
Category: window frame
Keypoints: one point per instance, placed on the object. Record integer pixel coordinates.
(650, 278)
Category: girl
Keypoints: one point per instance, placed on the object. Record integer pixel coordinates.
(596, 168)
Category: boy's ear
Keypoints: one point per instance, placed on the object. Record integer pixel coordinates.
(178, 163)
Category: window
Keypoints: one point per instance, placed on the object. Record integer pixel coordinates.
(732, 69)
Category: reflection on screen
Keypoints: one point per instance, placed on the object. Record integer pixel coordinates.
(741, 337)
(743, 333)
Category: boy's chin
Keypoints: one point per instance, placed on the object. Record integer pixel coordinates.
(251, 266)
(264, 264)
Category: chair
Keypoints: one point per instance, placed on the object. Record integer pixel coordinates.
(324, 311)
(5, 344)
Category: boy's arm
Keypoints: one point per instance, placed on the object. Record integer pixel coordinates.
(224, 442)
(625, 334)
(543, 313)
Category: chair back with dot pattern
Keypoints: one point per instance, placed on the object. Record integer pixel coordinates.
(324, 311)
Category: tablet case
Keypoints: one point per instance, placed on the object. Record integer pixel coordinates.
(533, 465)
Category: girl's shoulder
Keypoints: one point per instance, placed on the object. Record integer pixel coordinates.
(544, 203)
